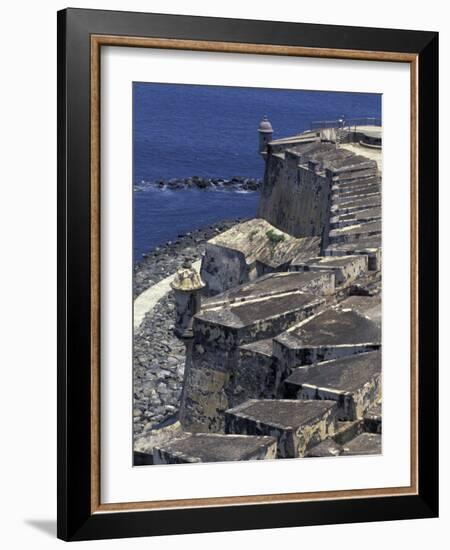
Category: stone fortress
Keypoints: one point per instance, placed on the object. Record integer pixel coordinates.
(282, 325)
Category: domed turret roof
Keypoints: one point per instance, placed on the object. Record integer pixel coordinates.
(265, 126)
(187, 279)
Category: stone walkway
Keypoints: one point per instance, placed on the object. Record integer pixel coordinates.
(147, 300)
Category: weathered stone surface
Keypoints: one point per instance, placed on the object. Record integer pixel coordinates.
(148, 440)
(368, 306)
(353, 176)
(298, 286)
(294, 198)
(351, 163)
(205, 399)
(297, 425)
(353, 205)
(371, 185)
(327, 448)
(355, 233)
(218, 333)
(192, 448)
(318, 160)
(274, 284)
(348, 430)
(256, 375)
(281, 144)
(333, 446)
(354, 382)
(357, 193)
(368, 285)
(332, 334)
(370, 247)
(247, 251)
(363, 444)
(373, 419)
(355, 218)
(250, 320)
(345, 268)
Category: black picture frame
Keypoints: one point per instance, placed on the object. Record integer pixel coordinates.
(76, 521)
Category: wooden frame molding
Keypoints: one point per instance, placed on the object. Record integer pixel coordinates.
(97, 41)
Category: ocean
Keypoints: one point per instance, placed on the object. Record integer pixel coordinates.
(184, 130)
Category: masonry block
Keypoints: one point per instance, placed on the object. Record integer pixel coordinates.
(194, 448)
(354, 382)
(331, 334)
(346, 269)
(297, 425)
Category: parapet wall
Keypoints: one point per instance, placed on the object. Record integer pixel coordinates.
(294, 198)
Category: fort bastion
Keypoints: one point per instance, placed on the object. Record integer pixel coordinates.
(282, 325)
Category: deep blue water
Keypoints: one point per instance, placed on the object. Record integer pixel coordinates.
(184, 130)
(161, 215)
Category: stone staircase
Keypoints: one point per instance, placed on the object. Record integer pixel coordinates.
(307, 377)
(288, 364)
(355, 212)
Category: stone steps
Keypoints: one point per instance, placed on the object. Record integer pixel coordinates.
(252, 312)
(259, 374)
(367, 306)
(350, 177)
(346, 269)
(351, 438)
(351, 163)
(347, 430)
(363, 444)
(332, 334)
(326, 448)
(297, 425)
(272, 285)
(370, 247)
(341, 192)
(367, 286)
(201, 447)
(285, 358)
(333, 446)
(247, 251)
(355, 233)
(244, 322)
(347, 207)
(354, 196)
(356, 184)
(354, 218)
(342, 200)
(353, 382)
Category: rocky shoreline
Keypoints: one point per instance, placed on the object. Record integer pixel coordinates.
(236, 183)
(158, 356)
(164, 260)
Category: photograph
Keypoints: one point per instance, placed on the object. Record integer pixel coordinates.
(257, 262)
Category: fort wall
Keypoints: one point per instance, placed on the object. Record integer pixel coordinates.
(294, 198)
(284, 355)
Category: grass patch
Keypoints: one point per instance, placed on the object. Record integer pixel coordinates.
(274, 239)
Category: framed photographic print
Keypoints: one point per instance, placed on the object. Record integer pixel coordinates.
(247, 274)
